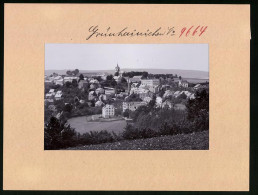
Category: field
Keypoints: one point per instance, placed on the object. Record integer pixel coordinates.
(196, 80)
(194, 141)
(82, 125)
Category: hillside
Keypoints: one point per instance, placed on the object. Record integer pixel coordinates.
(183, 73)
(194, 141)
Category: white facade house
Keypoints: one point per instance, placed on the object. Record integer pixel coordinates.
(108, 111)
(118, 79)
(132, 106)
(100, 91)
(92, 95)
(150, 82)
(60, 82)
(183, 83)
(70, 79)
(135, 79)
(158, 101)
(99, 103)
(58, 95)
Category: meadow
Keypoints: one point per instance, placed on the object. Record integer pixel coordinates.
(82, 125)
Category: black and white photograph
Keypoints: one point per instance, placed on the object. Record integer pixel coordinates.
(126, 97)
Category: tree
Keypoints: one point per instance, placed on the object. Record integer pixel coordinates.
(123, 80)
(152, 102)
(68, 108)
(58, 135)
(68, 84)
(109, 77)
(113, 83)
(180, 77)
(198, 110)
(144, 75)
(68, 72)
(76, 71)
(126, 113)
(81, 77)
(182, 96)
(74, 83)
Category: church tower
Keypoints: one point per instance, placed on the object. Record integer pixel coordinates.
(117, 68)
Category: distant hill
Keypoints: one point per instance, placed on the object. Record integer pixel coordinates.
(182, 73)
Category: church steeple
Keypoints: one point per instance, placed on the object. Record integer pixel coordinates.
(117, 68)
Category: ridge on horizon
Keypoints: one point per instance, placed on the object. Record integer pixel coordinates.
(129, 69)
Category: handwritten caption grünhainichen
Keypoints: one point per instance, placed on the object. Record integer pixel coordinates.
(97, 32)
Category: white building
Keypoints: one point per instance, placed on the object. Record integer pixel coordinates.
(147, 99)
(70, 79)
(154, 88)
(108, 111)
(158, 101)
(100, 91)
(183, 83)
(132, 106)
(99, 103)
(58, 95)
(118, 79)
(60, 82)
(150, 82)
(135, 79)
(92, 95)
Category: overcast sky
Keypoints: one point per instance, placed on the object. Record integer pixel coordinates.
(106, 56)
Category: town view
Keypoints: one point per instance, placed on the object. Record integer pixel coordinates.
(123, 109)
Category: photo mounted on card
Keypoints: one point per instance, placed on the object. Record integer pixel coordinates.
(118, 97)
(158, 101)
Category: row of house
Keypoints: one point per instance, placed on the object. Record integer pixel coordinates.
(51, 95)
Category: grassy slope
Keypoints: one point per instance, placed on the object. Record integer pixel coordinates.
(194, 141)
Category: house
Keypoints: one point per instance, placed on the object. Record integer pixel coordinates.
(183, 83)
(58, 95)
(132, 106)
(70, 79)
(93, 86)
(168, 93)
(60, 82)
(201, 86)
(192, 97)
(150, 82)
(135, 79)
(52, 91)
(118, 79)
(52, 108)
(94, 81)
(100, 91)
(83, 84)
(145, 94)
(48, 83)
(108, 111)
(82, 101)
(103, 97)
(154, 88)
(50, 94)
(109, 91)
(92, 95)
(176, 94)
(158, 101)
(167, 104)
(99, 103)
(147, 99)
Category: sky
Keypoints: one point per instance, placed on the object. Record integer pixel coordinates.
(107, 56)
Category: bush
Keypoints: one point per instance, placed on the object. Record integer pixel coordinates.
(58, 135)
(95, 137)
